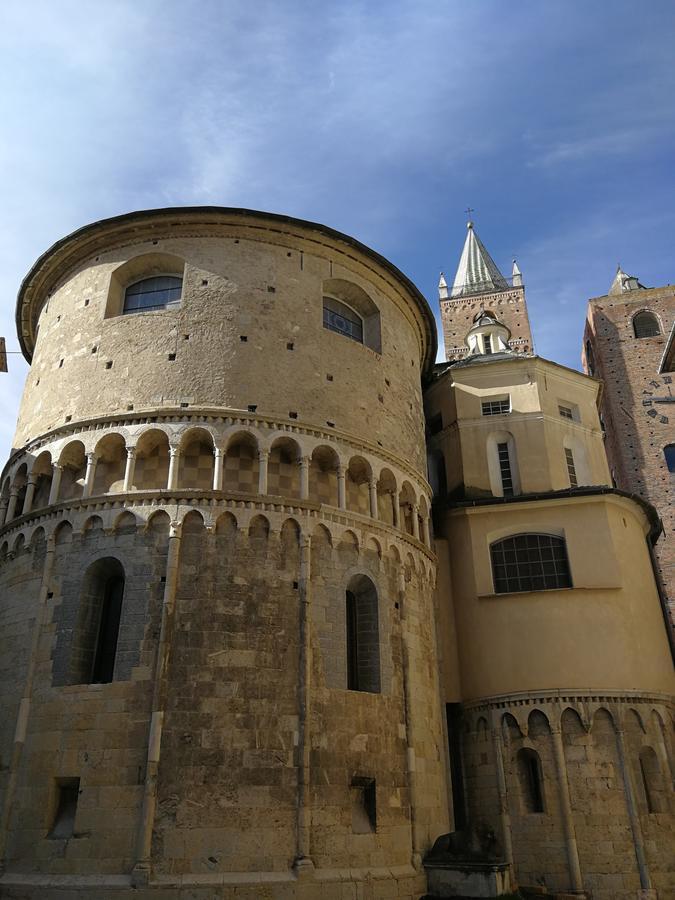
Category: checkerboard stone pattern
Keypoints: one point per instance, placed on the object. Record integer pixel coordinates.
(109, 477)
(195, 469)
(323, 485)
(152, 468)
(240, 472)
(283, 474)
(358, 499)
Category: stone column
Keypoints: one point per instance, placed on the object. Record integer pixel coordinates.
(90, 475)
(415, 520)
(4, 503)
(303, 862)
(504, 814)
(11, 508)
(411, 762)
(633, 815)
(141, 870)
(219, 460)
(341, 486)
(24, 705)
(426, 535)
(130, 470)
(395, 509)
(372, 494)
(304, 477)
(56, 483)
(576, 880)
(263, 457)
(174, 459)
(30, 494)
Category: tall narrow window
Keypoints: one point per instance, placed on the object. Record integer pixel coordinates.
(152, 293)
(530, 562)
(363, 636)
(571, 471)
(529, 772)
(487, 344)
(645, 324)
(505, 469)
(96, 632)
(669, 453)
(108, 632)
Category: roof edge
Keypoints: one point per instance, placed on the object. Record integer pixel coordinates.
(130, 218)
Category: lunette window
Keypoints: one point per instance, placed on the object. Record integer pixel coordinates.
(496, 407)
(530, 562)
(343, 319)
(645, 324)
(152, 293)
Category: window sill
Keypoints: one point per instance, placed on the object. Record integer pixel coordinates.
(525, 593)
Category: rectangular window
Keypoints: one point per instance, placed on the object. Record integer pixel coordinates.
(565, 411)
(496, 407)
(68, 791)
(530, 562)
(505, 469)
(571, 471)
(487, 343)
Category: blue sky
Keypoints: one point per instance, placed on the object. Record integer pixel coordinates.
(553, 119)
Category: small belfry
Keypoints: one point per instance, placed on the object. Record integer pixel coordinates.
(479, 286)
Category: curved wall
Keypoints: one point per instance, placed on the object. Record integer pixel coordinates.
(227, 748)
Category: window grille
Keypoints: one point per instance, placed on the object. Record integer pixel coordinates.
(505, 469)
(571, 471)
(496, 407)
(645, 324)
(152, 293)
(530, 562)
(341, 318)
(565, 411)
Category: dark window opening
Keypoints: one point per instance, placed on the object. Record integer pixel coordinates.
(669, 453)
(530, 562)
(106, 645)
(341, 318)
(435, 424)
(364, 805)
(453, 712)
(152, 293)
(487, 344)
(363, 638)
(95, 636)
(529, 768)
(505, 469)
(63, 825)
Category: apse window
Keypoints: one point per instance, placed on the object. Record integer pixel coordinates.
(67, 794)
(339, 317)
(531, 782)
(498, 407)
(530, 562)
(152, 293)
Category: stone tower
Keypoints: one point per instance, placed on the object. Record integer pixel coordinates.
(629, 344)
(218, 636)
(480, 286)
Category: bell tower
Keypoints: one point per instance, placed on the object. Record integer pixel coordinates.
(478, 287)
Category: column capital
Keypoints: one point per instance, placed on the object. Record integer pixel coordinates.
(263, 453)
(131, 452)
(304, 460)
(91, 455)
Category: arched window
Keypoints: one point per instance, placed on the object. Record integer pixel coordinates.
(645, 324)
(98, 623)
(531, 782)
(152, 293)
(363, 636)
(530, 562)
(669, 453)
(337, 316)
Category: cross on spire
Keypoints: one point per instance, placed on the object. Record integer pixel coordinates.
(469, 210)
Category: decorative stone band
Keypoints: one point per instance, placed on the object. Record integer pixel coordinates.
(136, 511)
(205, 455)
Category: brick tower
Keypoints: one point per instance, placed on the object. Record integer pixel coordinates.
(629, 344)
(479, 285)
